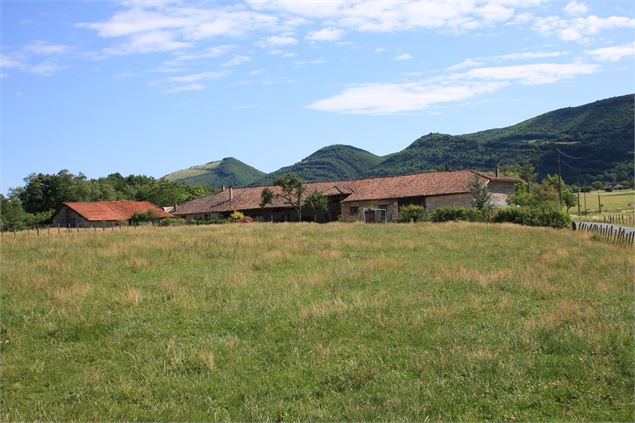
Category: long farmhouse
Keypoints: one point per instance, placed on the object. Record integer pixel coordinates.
(356, 197)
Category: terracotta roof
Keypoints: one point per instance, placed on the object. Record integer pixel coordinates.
(387, 187)
(114, 210)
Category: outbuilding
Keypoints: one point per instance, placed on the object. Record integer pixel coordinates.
(104, 213)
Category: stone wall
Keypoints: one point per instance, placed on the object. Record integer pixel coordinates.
(355, 208)
(450, 200)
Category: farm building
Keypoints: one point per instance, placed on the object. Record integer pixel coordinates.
(100, 213)
(356, 197)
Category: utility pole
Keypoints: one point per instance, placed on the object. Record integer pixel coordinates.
(599, 203)
(559, 176)
(585, 209)
(578, 200)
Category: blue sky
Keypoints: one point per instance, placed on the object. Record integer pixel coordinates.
(148, 87)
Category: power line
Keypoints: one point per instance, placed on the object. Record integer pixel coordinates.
(573, 158)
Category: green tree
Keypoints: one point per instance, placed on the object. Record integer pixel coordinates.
(266, 198)
(12, 215)
(292, 191)
(480, 195)
(317, 202)
(412, 213)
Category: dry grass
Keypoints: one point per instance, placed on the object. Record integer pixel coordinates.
(452, 321)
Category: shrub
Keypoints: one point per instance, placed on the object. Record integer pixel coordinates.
(446, 214)
(236, 216)
(347, 218)
(138, 217)
(412, 213)
(551, 216)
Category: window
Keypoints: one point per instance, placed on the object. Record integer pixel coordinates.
(354, 210)
(383, 206)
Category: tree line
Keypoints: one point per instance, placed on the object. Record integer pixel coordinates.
(42, 194)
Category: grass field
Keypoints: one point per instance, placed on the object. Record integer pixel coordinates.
(317, 322)
(612, 202)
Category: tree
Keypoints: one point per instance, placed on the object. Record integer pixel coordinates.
(412, 213)
(12, 215)
(569, 199)
(317, 201)
(266, 197)
(481, 196)
(292, 191)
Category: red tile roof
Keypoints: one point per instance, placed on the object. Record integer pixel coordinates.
(388, 187)
(114, 210)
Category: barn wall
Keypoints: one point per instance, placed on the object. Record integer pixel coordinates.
(450, 200)
(65, 217)
(500, 191)
(391, 206)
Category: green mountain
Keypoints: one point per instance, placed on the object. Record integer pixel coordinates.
(335, 162)
(596, 141)
(228, 172)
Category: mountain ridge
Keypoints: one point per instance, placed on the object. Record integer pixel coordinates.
(596, 141)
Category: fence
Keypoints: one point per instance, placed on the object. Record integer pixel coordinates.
(38, 230)
(620, 219)
(619, 236)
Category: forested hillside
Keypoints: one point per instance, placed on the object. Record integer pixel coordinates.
(596, 141)
(228, 172)
(335, 162)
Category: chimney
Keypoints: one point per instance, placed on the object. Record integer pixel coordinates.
(222, 188)
(498, 170)
(174, 208)
(231, 196)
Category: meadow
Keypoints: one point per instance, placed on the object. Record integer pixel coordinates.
(612, 202)
(262, 322)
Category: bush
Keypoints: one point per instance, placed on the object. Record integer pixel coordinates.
(412, 213)
(551, 216)
(347, 218)
(141, 217)
(447, 214)
(236, 216)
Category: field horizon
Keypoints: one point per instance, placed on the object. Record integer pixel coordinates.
(262, 322)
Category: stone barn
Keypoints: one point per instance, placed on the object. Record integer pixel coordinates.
(103, 213)
(353, 197)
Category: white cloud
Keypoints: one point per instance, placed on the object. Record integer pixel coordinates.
(399, 15)
(574, 8)
(386, 98)
(45, 48)
(207, 53)
(373, 99)
(18, 62)
(380, 50)
(10, 62)
(197, 77)
(613, 53)
(309, 62)
(404, 56)
(237, 60)
(282, 53)
(185, 88)
(277, 40)
(532, 74)
(580, 29)
(467, 63)
(147, 42)
(325, 34)
(495, 12)
(480, 61)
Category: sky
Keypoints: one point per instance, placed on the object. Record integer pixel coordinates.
(152, 86)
